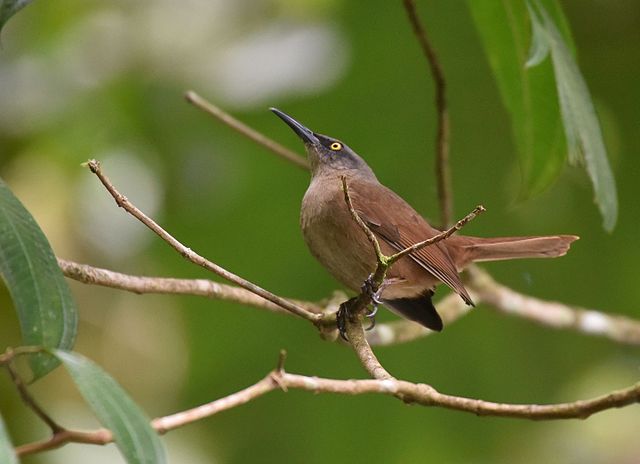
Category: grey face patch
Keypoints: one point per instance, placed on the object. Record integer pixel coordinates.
(336, 154)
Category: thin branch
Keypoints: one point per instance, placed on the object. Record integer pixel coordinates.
(365, 228)
(426, 395)
(443, 172)
(30, 400)
(368, 359)
(164, 424)
(61, 438)
(245, 130)
(485, 290)
(551, 313)
(165, 285)
(417, 393)
(195, 258)
(437, 238)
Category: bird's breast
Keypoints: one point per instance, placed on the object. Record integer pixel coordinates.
(332, 235)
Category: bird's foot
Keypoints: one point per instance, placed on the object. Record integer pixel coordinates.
(374, 291)
(344, 313)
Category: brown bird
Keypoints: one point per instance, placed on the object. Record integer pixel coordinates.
(337, 241)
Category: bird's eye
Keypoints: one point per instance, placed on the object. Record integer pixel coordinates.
(335, 146)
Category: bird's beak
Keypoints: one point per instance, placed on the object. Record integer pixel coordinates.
(303, 132)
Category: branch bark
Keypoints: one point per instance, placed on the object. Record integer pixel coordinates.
(167, 285)
(418, 393)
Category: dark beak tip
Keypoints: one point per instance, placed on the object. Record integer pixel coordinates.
(302, 131)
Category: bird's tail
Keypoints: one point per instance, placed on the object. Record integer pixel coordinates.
(472, 249)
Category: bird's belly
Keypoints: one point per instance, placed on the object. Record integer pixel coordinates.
(339, 245)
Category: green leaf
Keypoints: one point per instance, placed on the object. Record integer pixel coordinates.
(582, 129)
(7, 453)
(10, 7)
(529, 94)
(131, 429)
(41, 296)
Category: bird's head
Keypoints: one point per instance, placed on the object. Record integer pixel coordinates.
(326, 154)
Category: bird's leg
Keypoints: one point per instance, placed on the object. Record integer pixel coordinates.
(342, 315)
(374, 292)
(369, 287)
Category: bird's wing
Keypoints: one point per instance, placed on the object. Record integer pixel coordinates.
(374, 203)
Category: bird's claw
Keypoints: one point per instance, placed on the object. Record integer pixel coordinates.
(372, 290)
(371, 315)
(343, 314)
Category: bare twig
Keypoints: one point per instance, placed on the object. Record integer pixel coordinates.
(195, 258)
(484, 288)
(61, 438)
(30, 400)
(245, 130)
(443, 172)
(368, 359)
(437, 238)
(417, 393)
(164, 424)
(551, 313)
(365, 228)
(165, 285)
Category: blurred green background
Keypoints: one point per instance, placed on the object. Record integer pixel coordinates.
(105, 79)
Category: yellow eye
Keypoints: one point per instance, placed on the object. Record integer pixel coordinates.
(335, 146)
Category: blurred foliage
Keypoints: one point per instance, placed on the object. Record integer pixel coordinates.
(528, 93)
(39, 291)
(82, 79)
(10, 7)
(131, 428)
(581, 126)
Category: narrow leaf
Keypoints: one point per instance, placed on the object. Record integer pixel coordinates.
(582, 129)
(40, 294)
(539, 43)
(10, 7)
(529, 94)
(137, 440)
(7, 453)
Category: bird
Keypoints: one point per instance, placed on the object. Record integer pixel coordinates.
(342, 247)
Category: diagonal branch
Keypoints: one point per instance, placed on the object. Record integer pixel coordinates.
(441, 236)
(30, 400)
(443, 171)
(245, 130)
(195, 258)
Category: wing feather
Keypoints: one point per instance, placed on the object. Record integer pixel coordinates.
(377, 205)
